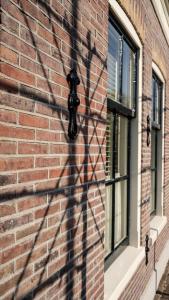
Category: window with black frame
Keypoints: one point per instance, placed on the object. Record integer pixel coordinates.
(121, 109)
(156, 126)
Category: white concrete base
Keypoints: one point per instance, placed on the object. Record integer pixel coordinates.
(121, 271)
(154, 281)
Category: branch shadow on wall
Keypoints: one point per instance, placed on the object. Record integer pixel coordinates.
(75, 261)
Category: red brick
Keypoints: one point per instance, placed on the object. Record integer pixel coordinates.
(32, 175)
(8, 179)
(7, 240)
(7, 147)
(7, 209)
(33, 121)
(7, 270)
(47, 136)
(8, 116)
(9, 55)
(15, 222)
(17, 132)
(28, 231)
(32, 148)
(31, 202)
(18, 45)
(14, 11)
(7, 164)
(37, 252)
(9, 23)
(40, 213)
(47, 161)
(12, 282)
(15, 251)
(17, 74)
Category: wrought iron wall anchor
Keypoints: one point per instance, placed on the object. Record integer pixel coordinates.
(73, 102)
(148, 130)
(147, 249)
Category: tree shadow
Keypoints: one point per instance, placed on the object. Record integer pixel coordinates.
(82, 176)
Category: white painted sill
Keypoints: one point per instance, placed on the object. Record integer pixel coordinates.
(156, 226)
(121, 271)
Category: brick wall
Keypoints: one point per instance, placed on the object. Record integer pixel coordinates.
(52, 190)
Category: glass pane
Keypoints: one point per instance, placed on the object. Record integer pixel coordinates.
(156, 100)
(113, 63)
(153, 149)
(128, 76)
(108, 220)
(121, 146)
(153, 169)
(153, 191)
(120, 212)
(109, 146)
(153, 100)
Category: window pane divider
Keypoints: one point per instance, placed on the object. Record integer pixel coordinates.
(113, 180)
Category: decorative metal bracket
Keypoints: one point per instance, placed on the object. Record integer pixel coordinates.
(148, 130)
(73, 102)
(147, 249)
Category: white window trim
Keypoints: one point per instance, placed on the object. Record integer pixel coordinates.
(162, 17)
(135, 174)
(159, 221)
(115, 282)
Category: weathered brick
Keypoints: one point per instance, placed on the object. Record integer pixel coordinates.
(33, 121)
(15, 251)
(7, 164)
(7, 240)
(32, 148)
(31, 202)
(17, 132)
(7, 147)
(32, 175)
(17, 74)
(9, 55)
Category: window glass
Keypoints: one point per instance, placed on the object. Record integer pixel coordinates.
(153, 169)
(113, 64)
(121, 144)
(109, 145)
(108, 220)
(120, 211)
(121, 65)
(153, 191)
(128, 76)
(156, 100)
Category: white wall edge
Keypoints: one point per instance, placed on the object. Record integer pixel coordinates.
(154, 281)
(162, 17)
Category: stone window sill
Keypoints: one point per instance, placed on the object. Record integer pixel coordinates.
(121, 271)
(156, 226)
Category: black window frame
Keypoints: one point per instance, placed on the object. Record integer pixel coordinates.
(156, 127)
(117, 108)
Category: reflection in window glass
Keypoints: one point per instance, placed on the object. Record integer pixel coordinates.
(153, 169)
(109, 145)
(120, 211)
(156, 99)
(121, 144)
(128, 76)
(121, 66)
(108, 220)
(113, 64)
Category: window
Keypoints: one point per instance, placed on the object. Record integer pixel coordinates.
(121, 109)
(121, 68)
(156, 126)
